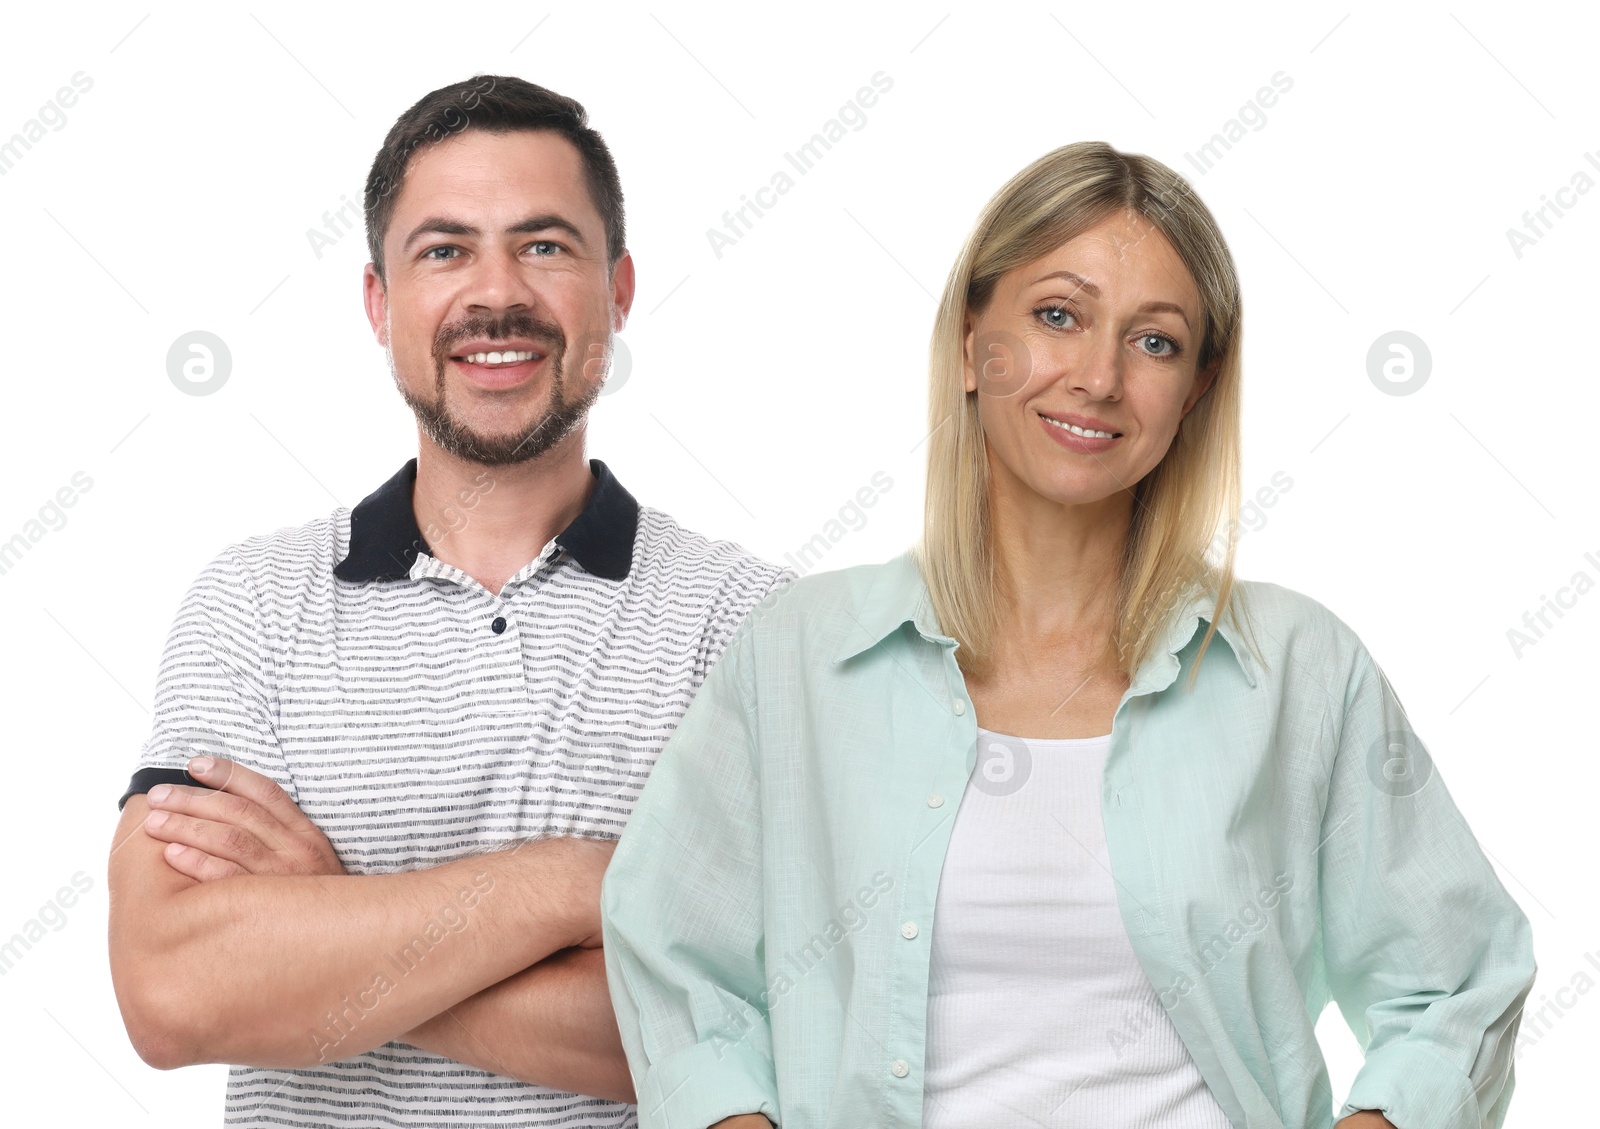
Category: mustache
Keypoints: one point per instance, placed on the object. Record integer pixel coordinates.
(514, 323)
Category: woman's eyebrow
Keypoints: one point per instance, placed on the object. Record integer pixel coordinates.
(1093, 291)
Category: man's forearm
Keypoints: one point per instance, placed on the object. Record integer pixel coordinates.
(291, 971)
(551, 1024)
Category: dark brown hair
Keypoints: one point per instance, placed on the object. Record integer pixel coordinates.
(495, 104)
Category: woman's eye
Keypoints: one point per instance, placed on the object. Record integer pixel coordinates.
(1056, 317)
(1163, 346)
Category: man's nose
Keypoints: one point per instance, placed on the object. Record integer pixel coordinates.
(496, 281)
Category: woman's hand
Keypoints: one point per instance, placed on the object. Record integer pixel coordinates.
(753, 1121)
(1366, 1119)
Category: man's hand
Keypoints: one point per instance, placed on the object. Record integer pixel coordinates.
(550, 1025)
(243, 823)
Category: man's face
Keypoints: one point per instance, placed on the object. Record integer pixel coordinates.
(498, 308)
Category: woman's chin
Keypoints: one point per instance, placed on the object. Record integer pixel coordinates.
(1086, 486)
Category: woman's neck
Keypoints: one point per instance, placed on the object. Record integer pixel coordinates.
(1057, 567)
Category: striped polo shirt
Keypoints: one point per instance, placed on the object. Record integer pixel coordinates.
(417, 717)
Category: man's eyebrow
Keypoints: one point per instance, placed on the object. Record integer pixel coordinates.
(1093, 291)
(547, 222)
(437, 225)
(444, 225)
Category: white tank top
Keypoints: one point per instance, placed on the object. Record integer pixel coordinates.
(1038, 1011)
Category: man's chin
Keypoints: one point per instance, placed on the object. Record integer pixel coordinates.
(491, 449)
(492, 446)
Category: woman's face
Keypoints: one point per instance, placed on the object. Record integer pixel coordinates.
(1102, 333)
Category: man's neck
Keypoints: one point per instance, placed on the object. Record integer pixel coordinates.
(491, 521)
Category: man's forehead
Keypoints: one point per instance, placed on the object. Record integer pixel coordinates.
(521, 168)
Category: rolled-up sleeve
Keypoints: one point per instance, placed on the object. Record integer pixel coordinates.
(681, 909)
(1427, 955)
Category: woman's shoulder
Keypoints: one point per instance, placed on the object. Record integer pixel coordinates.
(1286, 623)
(828, 609)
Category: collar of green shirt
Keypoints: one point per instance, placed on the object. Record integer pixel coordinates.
(899, 595)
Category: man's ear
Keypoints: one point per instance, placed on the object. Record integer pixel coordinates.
(375, 299)
(622, 290)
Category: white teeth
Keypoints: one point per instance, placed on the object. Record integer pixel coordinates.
(1087, 433)
(509, 356)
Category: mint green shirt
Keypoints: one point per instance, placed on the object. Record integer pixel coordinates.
(1278, 835)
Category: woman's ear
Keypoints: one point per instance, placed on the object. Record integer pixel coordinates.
(969, 370)
(1202, 384)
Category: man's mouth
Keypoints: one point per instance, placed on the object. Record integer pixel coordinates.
(493, 359)
(499, 367)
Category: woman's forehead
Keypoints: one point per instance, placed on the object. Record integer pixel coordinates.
(1122, 258)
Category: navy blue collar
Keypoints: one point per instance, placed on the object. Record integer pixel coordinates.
(385, 540)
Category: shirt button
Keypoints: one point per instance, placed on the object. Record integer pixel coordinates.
(909, 930)
(961, 707)
(936, 801)
(499, 624)
(899, 1068)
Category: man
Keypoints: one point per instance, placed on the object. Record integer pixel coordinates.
(424, 722)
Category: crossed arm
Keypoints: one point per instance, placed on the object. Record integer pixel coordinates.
(237, 937)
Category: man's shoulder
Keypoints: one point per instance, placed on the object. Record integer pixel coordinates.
(286, 555)
(687, 560)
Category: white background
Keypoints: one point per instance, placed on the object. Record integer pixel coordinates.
(769, 384)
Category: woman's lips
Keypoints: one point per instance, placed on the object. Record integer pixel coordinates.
(1083, 444)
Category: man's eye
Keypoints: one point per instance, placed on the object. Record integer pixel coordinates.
(544, 247)
(430, 252)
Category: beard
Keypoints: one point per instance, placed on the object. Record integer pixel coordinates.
(560, 418)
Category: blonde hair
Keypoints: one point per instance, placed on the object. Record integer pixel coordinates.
(1178, 505)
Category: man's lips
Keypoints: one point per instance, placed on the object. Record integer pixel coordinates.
(500, 360)
(497, 352)
(495, 369)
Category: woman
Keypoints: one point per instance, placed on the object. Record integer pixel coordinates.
(947, 841)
